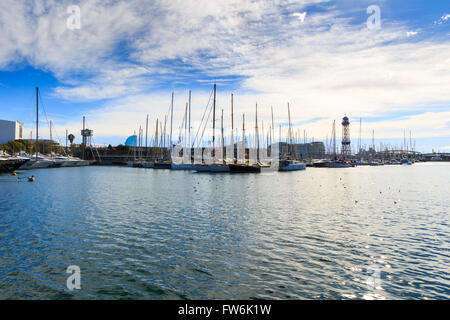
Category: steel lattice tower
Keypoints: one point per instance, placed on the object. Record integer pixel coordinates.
(346, 147)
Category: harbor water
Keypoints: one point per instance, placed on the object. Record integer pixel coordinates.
(351, 233)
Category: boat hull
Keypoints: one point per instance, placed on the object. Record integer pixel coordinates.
(181, 166)
(162, 165)
(83, 163)
(293, 167)
(11, 165)
(241, 168)
(42, 164)
(211, 168)
(148, 165)
(27, 165)
(69, 163)
(321, 164)
(339, 165)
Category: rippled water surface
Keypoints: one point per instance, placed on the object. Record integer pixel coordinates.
(356, 233)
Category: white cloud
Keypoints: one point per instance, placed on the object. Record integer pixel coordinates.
(326, 66)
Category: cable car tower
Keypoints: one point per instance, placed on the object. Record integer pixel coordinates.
(87, 138)
(346, 143)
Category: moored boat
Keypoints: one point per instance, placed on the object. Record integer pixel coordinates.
(11, 164)
(321, 164)
(291, 165)
(339, 164)
(244, 168)
(182, 166)
(162, 165)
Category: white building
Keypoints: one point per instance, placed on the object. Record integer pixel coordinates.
(10, 130)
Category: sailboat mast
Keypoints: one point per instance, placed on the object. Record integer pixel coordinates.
(185, 124)
(171, 125)
(279, 134)
(37, 121)
(359, 138)
(165, 132)
(410, 142)
(140, 142)
(334, 139)
(51, 138)
(232, 128)
(146, 138)
(243, 134)
(214, 121)
(262, 135)
(373, 140)
(161, 138)
(290, 129)
(156, 139)
(404, 141)
(273, 127)
(134, 149)
(257, 134)
(189, 123)
(222, 139)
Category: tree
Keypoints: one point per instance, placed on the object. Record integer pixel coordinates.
(15, 146)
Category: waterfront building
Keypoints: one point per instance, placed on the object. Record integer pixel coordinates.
(304, 151)
(10, 130)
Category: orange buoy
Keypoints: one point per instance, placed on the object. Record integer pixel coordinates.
(14, 174)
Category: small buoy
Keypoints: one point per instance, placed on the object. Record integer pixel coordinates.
(31, 179)
(14, 174)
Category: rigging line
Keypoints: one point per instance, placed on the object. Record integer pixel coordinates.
(206, 124)
(46, 118)
(181, 128)
(206, 109)
(201, 122)
(43, 107)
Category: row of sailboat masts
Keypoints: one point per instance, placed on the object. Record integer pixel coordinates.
(163, 141)
(405, 147)
(257, 143)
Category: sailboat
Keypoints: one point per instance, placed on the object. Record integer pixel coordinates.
(38, 161)
(162, 162)
(183, 161)
(290, 163)
(246, 166)
(215, 166)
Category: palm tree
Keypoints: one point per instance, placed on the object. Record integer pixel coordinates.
(71, 137)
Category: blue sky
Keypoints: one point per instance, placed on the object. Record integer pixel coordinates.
(128, 56)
